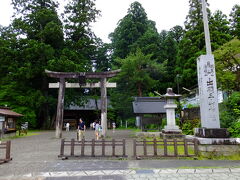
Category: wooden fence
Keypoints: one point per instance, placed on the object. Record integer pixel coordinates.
(5, 146)
(165, 148)
(92, 148)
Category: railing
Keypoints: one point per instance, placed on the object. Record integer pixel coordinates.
(93, 148)
(165, 148)
(7, 147)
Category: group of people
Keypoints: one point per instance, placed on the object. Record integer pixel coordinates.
(82, 128)
(96, 126)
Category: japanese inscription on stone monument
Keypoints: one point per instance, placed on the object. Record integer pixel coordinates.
(208, 92)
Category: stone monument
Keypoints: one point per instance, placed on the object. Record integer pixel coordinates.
(212, 140)
(210, 124)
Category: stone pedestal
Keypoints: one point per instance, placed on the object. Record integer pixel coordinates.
(211, 132)
(171, 122)
(171, 134)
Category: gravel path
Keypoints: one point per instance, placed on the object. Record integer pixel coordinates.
(36, 153)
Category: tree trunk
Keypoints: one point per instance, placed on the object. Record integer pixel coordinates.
(139, 90)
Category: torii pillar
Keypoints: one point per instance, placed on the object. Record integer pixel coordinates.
(75, 75)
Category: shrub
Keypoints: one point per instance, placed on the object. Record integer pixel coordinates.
(234, 130)
(189, 125)
(130, 122)
(230, 110)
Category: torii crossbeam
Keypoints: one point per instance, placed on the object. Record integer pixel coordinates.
(75, 75)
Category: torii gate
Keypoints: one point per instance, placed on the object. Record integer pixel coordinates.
(76, 75)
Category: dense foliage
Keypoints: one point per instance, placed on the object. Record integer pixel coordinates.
(38, 39)
(33, 42)
(230, 114)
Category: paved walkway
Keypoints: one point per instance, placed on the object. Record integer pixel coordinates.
(151, 174)
(35, 157)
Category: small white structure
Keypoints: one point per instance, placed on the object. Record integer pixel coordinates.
(170, 107)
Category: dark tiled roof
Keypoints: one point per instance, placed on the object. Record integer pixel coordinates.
(8, 112)
(149, 105)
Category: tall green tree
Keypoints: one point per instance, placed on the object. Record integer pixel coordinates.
(38, 20)
(227, 59)
(34, 38)
(235, 21)
(135, 79)
(192, 44)
(130, 29)
(219, 29)
(103, 60)
(168, 52)
(78, 16)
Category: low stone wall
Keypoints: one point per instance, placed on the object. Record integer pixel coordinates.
(217, 146)
(218, 150)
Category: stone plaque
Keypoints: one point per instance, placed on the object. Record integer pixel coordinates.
(208, 92)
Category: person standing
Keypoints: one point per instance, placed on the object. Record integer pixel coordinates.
(67, 126)
(81, 129)
(97, 127)
(114, 126)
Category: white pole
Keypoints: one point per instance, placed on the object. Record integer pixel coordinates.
(206, 28)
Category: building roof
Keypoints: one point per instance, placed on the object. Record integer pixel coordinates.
(8, 112)
(149, 105)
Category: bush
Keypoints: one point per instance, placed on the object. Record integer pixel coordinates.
(164, 123)
(130, 122)
(29, 116)
(152, 126)
(189, 125)
(230, 110)
(234, 130)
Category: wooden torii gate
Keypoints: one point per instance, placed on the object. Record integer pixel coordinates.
(76, 75)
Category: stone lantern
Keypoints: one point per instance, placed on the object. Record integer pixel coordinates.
(171, 127)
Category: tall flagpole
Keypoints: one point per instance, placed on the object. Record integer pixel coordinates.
(206, 28)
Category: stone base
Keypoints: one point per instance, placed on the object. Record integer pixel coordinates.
(172, 131)
(171, 134)
(215, 141)
(148, 134)
(211, 132)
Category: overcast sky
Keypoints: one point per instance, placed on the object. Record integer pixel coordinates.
(166, 13)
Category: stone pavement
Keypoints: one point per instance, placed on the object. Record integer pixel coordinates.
(152, 174)
(35, 157)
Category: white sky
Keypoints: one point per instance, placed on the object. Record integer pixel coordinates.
(166, 13)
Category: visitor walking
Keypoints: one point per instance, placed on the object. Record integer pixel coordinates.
(81, 129)
(67, 126)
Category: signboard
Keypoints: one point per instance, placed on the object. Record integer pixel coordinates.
(208, 92)
(2, 118)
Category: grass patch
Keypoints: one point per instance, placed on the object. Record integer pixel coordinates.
(29, 133)
(170, 148)
(129, 128)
